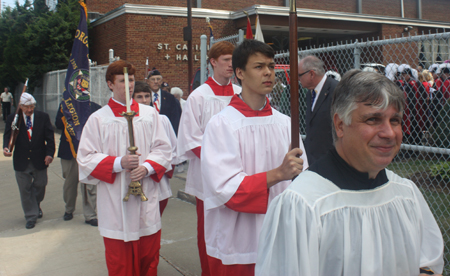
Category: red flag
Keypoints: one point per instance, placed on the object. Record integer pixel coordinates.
(248, 33)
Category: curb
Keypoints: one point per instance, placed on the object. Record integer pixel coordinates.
(186, 197)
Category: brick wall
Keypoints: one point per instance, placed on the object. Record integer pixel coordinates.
(437, 10)
(136, 37)
(410, 7)
(104, 6)
(327, 5)
(110, 35)
(381, 7)
(399, 53)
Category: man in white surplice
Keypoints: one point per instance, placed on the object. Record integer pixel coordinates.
(347, 214)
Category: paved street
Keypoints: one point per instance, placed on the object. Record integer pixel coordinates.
(73, 248)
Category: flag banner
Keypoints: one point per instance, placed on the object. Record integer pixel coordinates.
(76, 97)
(258, 33)
(249, 33)
(211, 36)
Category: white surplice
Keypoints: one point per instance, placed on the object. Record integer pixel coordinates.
(236, 146)
(315, 228)
(201, 105)
(164, 184)
(105, 137)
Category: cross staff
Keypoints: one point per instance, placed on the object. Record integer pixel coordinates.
(293, 61)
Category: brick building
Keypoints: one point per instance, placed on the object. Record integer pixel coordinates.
(137, 29)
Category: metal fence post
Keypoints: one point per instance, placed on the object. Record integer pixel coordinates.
(357, 56)
(203, 58)
(241, 36)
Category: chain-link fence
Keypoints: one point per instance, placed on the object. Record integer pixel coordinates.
(424, 155)
(235, 39)
(50, 95)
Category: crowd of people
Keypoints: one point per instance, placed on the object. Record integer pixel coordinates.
(426, 92)
(326, 207)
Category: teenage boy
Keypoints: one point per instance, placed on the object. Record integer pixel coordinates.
(203, 103)
(142, 94)
(130, 229)
(246, 162)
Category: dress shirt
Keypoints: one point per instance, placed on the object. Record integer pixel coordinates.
(159, 98)
(318, 90)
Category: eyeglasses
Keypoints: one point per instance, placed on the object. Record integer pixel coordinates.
(155, 79)
(300, 75)
(29, 107)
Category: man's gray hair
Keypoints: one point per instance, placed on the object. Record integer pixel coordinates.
(313, 63)
(176, 91)
(364, 87)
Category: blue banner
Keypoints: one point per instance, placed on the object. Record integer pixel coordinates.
(76, 97)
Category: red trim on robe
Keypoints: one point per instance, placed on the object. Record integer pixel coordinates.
(252, 196)
(446, 89)
(220, 90)
(159, 170)
(242, 107)
(162, 205)
(438, 83)
(201, 237)
(104, 170)
(131, 258)
(169, 174)
(197, 151)
(118, 109)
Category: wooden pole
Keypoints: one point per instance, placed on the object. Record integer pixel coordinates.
(293, 61)
(16, 121)
(189, 45)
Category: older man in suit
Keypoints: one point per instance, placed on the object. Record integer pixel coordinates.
(311, 74)
(164, 102)
(34, 150)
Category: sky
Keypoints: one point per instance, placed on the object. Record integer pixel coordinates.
(10, 3)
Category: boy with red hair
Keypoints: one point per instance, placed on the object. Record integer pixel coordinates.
(131, 229)
(203, 103)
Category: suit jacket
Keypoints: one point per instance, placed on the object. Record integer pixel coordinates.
(318, 122)
(170, 107)
(64, 151)
(42, 142)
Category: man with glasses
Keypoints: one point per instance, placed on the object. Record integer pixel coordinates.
(164, 102)
(311, 74)
(33, 152)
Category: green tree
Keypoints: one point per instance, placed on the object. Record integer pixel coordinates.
(36, 40)
(50, 39)
(13, 24)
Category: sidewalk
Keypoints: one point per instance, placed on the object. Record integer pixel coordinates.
(73, 248)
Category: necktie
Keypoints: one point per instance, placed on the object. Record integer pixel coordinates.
(156, 102)
(29, 128)
(313, 97)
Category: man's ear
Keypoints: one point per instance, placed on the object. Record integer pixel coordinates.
(240, 73)
(110, 85)
(338, 125)
(213, 62)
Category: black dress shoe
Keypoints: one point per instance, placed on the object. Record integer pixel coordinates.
(68, 216)
(40, 213)
(30, 224)
(93, 222)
